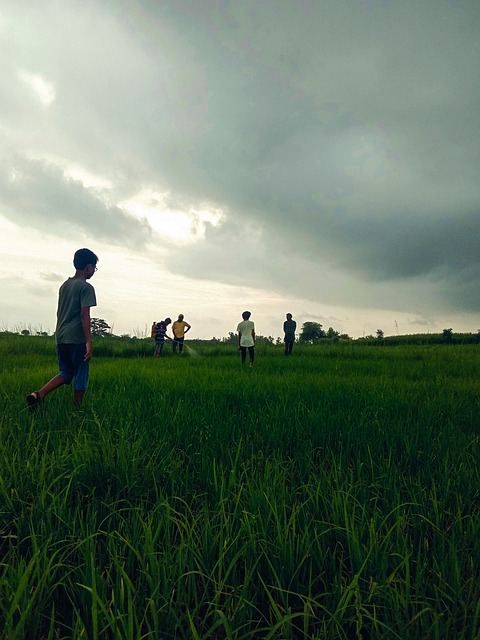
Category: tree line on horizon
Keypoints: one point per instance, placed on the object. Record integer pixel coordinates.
(310, 333)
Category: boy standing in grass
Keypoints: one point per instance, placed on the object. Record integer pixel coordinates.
(289, 328)
(246, 337)
(72, 334)
(159, 333)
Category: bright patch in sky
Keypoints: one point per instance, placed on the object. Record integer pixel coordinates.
(89, 181)
(170, 221)
(44, 91)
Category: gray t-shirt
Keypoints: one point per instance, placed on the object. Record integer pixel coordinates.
(74, 294)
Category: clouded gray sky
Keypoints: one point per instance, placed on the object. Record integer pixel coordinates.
(318, 157)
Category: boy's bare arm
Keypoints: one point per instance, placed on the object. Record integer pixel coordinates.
(85, 317)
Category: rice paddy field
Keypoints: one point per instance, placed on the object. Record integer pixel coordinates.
(331, 495)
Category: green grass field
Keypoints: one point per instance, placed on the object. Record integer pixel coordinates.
(333, 494)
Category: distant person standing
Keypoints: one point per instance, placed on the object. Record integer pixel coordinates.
(289, 328)
(72, 334)
(246, 337)
(159, 333)
(180, 327)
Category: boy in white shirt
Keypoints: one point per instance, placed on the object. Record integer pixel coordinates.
(246, 337)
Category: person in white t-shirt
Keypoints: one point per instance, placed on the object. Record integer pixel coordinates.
(246, 337)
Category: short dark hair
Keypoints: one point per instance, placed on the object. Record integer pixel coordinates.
(83, 257)
(246, 315)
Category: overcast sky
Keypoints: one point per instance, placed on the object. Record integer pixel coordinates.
(314, 157)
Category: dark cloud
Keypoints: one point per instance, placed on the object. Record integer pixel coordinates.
(36, 193)
(411, 245)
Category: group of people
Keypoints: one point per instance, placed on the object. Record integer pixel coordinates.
(74, 339)
(159, 333)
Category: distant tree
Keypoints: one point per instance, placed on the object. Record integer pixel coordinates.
(231, 338)
(311, 331)
(332, 334)
(447, 335)
(380, 334)
(278, 340)
(99, 327)
(25, 332)
(344, 336)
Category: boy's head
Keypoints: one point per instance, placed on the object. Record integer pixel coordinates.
(167, 320)
(180, 317)
(84, 257)
(246, 315)
(289, 316)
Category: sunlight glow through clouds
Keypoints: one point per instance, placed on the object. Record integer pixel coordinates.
(42, 90)
(88, 180)
(181, 227)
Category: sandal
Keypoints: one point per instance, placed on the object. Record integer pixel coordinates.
(34, 401)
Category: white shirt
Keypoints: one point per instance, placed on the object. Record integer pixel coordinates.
(245, 328)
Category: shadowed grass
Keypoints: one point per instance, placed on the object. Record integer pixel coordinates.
(334, 494)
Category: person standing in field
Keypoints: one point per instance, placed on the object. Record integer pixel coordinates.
(289, 328)
(246, 337)
(159, 333)
(179, 328)
(72, 334)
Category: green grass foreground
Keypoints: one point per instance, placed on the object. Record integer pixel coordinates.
(333, 494)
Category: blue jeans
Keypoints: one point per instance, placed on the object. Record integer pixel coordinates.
(71, 364)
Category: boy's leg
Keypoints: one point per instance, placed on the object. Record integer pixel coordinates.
(174, 345)
(78, 397)
(81, 373)
(244, 353)
(66, 368)
(51, 385)
(35, 399)
(251, 353)
(180, 345)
